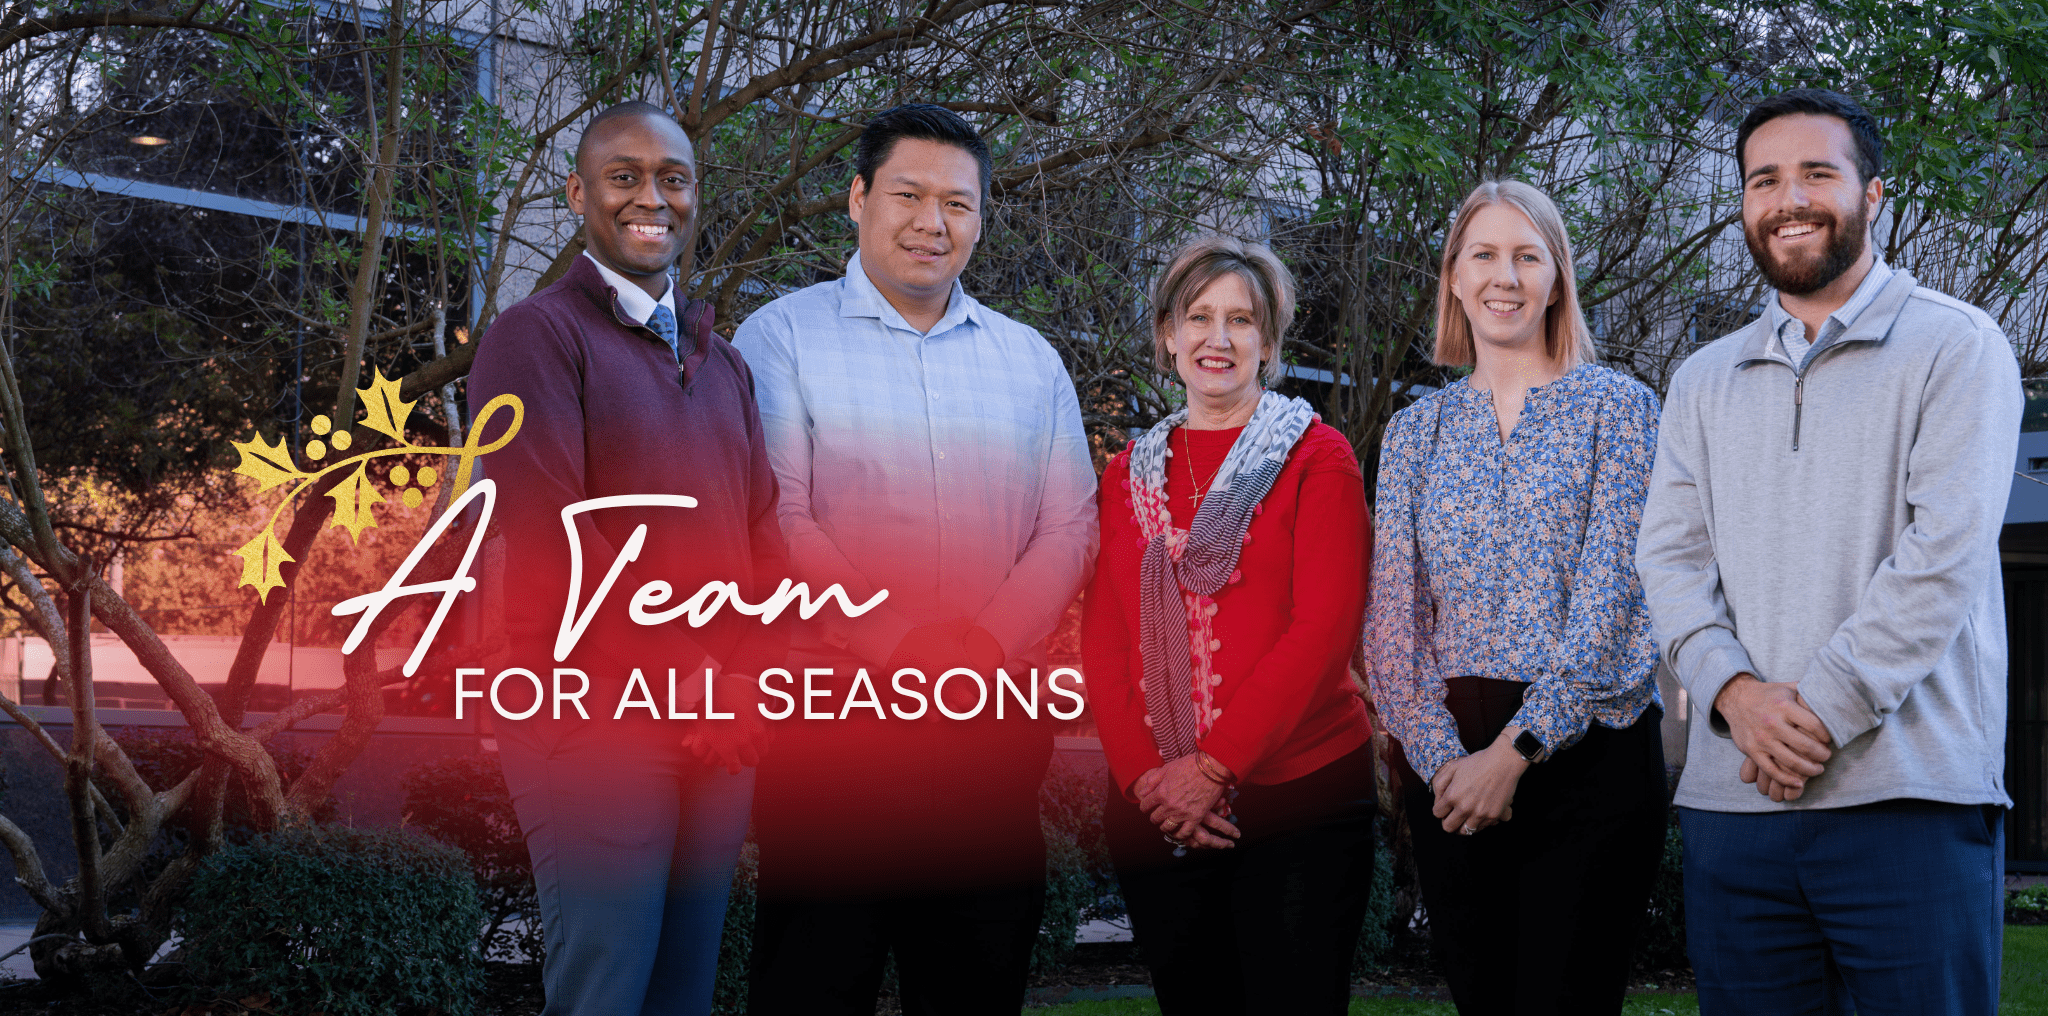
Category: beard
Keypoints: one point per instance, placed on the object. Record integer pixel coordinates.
(1808, 273)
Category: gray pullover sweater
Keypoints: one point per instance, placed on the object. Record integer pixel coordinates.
(1839, 529)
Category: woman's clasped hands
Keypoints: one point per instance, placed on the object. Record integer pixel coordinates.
(1186, 804)
(1479, 790)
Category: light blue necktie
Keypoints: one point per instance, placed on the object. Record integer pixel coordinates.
(663, 323)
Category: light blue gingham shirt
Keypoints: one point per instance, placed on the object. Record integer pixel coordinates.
(948, 467)
(1790, 332)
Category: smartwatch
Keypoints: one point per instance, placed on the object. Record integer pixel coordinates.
(1529, 746)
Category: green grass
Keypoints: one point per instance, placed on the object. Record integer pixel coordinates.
(1642, 1005)
(2025, 988)
(2024, 992)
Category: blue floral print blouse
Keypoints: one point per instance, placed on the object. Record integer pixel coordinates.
(1513, 560)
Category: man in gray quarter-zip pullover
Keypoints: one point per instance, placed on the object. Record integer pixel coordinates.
(1820, 554)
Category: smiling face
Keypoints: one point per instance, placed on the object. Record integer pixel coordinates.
(1805, 210)
(1505, 277)
(919, 222)
(1216, 344)
(636, 187)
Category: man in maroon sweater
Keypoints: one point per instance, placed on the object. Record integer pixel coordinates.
(633, 821)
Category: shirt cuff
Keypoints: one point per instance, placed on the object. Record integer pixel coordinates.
(1707, 661)
(1549, 713)
(1431, 755)
(1837, 700)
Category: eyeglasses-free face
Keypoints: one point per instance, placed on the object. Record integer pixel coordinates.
(918, 224)
(637, 193)
(1805, 209)
(1216, 345)
(1505, 277)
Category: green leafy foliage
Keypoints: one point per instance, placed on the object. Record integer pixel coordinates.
(736, 939)
(1662, 943)
(1080, 885)
(1384, 921)
(2028, 905)
(462, 801)
(343, 921)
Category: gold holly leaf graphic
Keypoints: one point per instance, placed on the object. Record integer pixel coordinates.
(383, 411)
(352, 500)
(270, 465)
(261, 559)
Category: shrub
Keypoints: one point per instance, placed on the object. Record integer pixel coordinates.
(736, 941)
(462, 801)
(1079, 882)
(344, 921)
(1662, 945)
(1384, 921)
(2027, 906)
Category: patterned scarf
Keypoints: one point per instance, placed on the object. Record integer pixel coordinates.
(1183, 568)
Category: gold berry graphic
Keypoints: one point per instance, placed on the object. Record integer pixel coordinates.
(355, 494)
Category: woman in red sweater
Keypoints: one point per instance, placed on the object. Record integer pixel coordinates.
(1216, 637)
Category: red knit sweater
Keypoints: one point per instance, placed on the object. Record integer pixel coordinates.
(1287, 623)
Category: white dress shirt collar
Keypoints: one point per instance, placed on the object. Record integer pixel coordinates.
(632, 299)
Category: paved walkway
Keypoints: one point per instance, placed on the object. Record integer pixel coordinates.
(13, 934)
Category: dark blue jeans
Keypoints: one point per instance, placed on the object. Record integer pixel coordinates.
(1893, 907)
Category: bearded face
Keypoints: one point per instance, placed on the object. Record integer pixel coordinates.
(1806, 205)
(1808, 269)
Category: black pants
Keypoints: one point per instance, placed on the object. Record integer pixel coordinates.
(920, 840)
(1270, 925)
(1540, 914)
(964, 952)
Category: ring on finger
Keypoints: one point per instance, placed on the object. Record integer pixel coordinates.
(1467, 830)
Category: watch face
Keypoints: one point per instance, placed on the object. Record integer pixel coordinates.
(1528, 746)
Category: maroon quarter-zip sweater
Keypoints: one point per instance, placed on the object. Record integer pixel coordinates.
(608, 412)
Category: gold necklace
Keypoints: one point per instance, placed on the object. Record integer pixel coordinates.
(1188, 451)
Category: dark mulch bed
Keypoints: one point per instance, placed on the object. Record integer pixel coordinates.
(1097, 964)
(514, 991)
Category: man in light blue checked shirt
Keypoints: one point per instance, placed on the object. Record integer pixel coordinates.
(930, 446)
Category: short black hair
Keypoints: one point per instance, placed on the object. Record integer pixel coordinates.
(632, 108)
(1819, 102)
(924, 122)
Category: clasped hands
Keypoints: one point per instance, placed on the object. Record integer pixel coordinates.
(736, 742)
(1783, 743)
(1478, 790)
(943, 645)
(1186, 805)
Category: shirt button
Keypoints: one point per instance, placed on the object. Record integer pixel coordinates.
(1148, 719)
(1215, 644)
(942, 455)
(1215, 680)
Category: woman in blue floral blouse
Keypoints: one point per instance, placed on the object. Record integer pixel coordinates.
(1509, 648)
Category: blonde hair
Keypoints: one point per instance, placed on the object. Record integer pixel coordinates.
(1565, 335)
(1203, 260)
